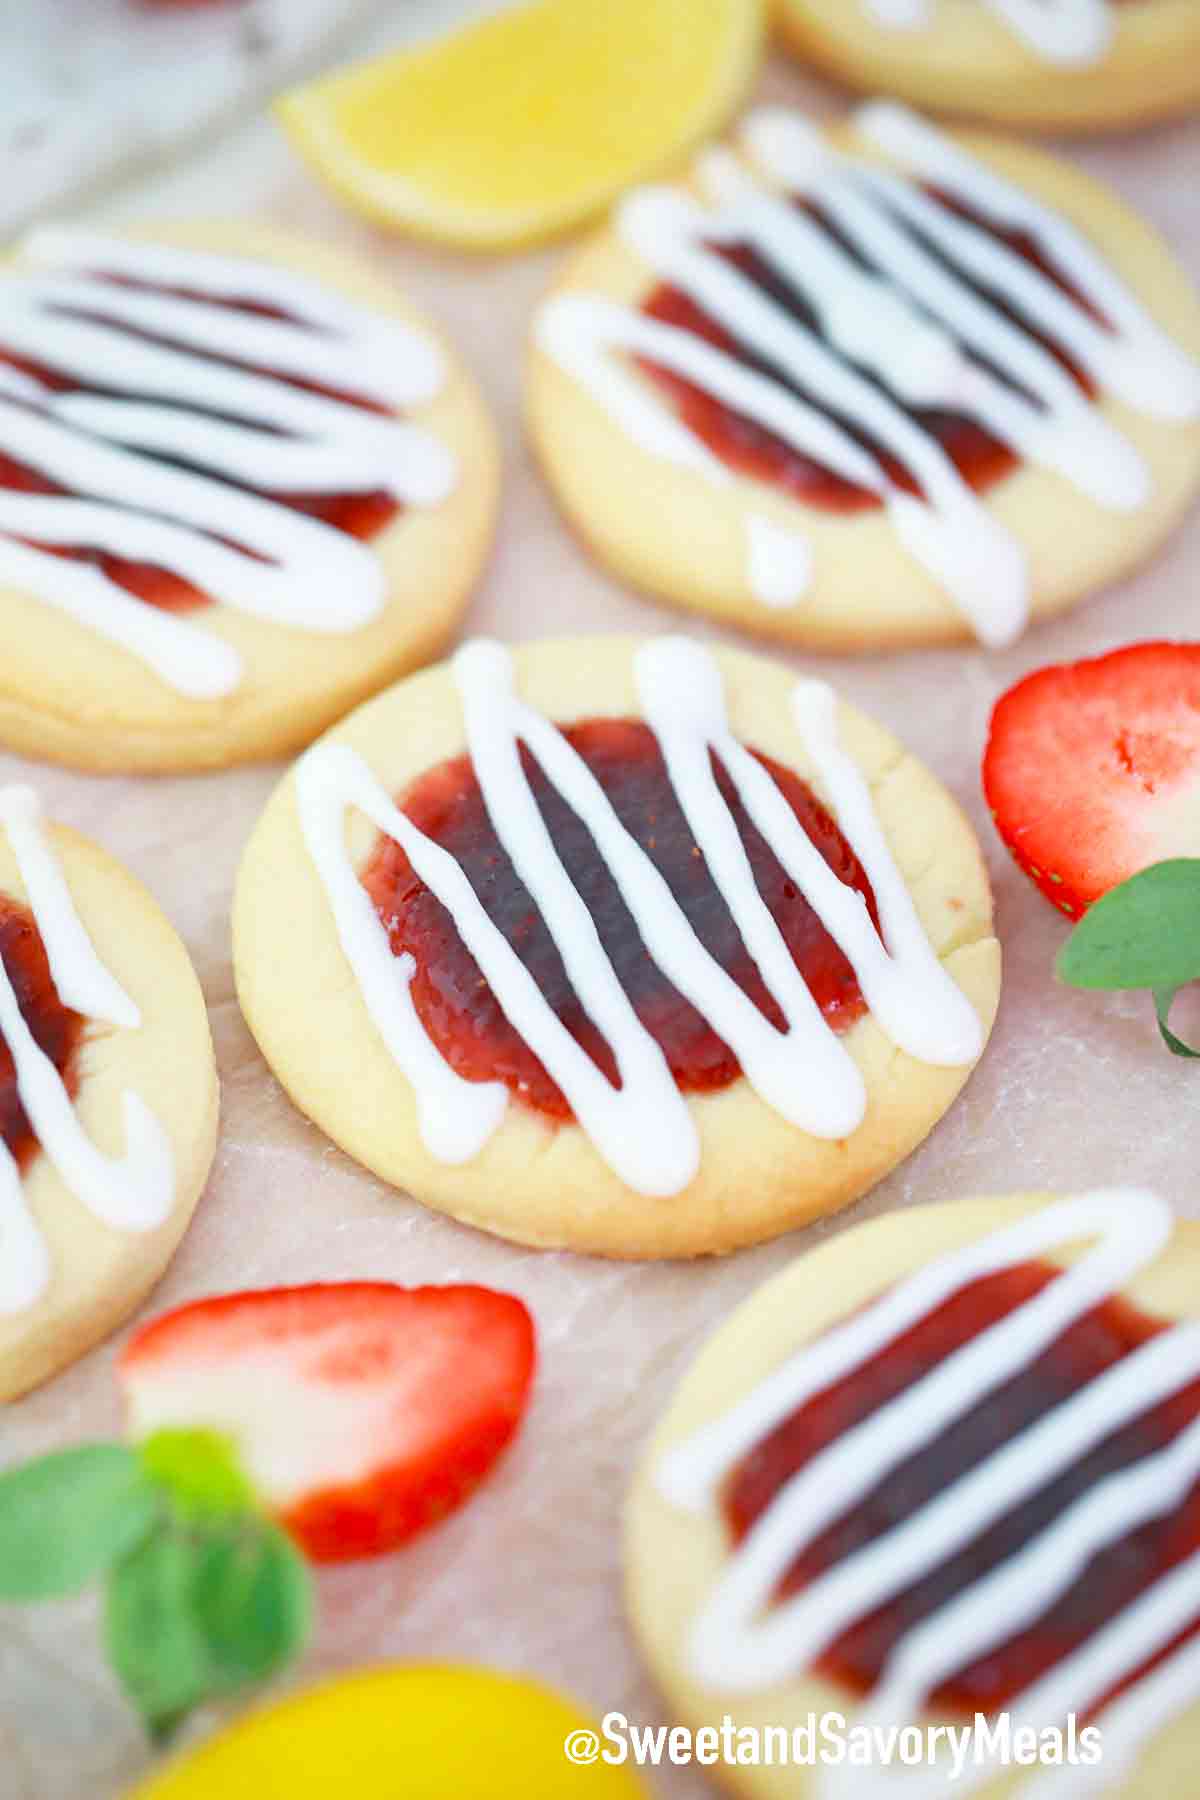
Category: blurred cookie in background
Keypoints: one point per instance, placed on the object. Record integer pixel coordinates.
(241, 487)
(1059, 65)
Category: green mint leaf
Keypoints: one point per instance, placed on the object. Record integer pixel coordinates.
(153, 1639)
(252, 1593)
(204, 1607)
(1164, 999)
(200, 1471)
(1143, 934)
(67, 1518)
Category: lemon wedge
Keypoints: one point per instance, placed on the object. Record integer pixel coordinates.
(529, 121)
(409, 1733)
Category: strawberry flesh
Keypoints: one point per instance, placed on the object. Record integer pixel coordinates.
(1092, 769)
(360, 1412)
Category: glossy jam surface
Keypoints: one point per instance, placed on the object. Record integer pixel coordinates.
(56, 1030)
(754, 451)
(454, 1001)
(359, 515)
(1112, 1579)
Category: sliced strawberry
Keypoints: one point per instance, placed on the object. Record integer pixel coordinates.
(360, 1412)
(1092, 769)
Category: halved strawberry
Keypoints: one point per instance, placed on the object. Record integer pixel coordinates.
(359, 1412)
(1092, 769)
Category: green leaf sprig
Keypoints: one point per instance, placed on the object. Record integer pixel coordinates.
(1143, 934)
(204, 1593)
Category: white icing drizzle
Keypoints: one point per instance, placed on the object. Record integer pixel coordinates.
(1071, 32)
(133, 1192)
(643, 1129)
(174, 392)
(780, 562)
(905, 330)
(1135, 359)
(741, 1642)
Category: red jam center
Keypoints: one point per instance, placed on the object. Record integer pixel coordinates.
(754, 451)
(360, 515)
(455, 1003)
(56, 1030)
(1115, 1575)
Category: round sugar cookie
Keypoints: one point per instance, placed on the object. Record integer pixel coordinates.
(872, 388)
(242, 486)
(1070, 65)
(607, 993)
(923, 1474)
(108, 1094)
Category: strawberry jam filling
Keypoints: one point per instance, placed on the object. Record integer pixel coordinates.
(1113, 1579)
(55, 1029)
(754, 451)
(451, 996)
(359, 515)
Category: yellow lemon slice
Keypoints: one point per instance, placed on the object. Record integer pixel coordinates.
(414, 1733)
(529, 121)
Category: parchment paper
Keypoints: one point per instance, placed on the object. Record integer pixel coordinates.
(1075, 1089)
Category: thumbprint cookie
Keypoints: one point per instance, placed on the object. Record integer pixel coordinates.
(941, 1480)
(872, 388)
(108, 1094)
(242, 486)
(627, 946)
(1065, 65)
